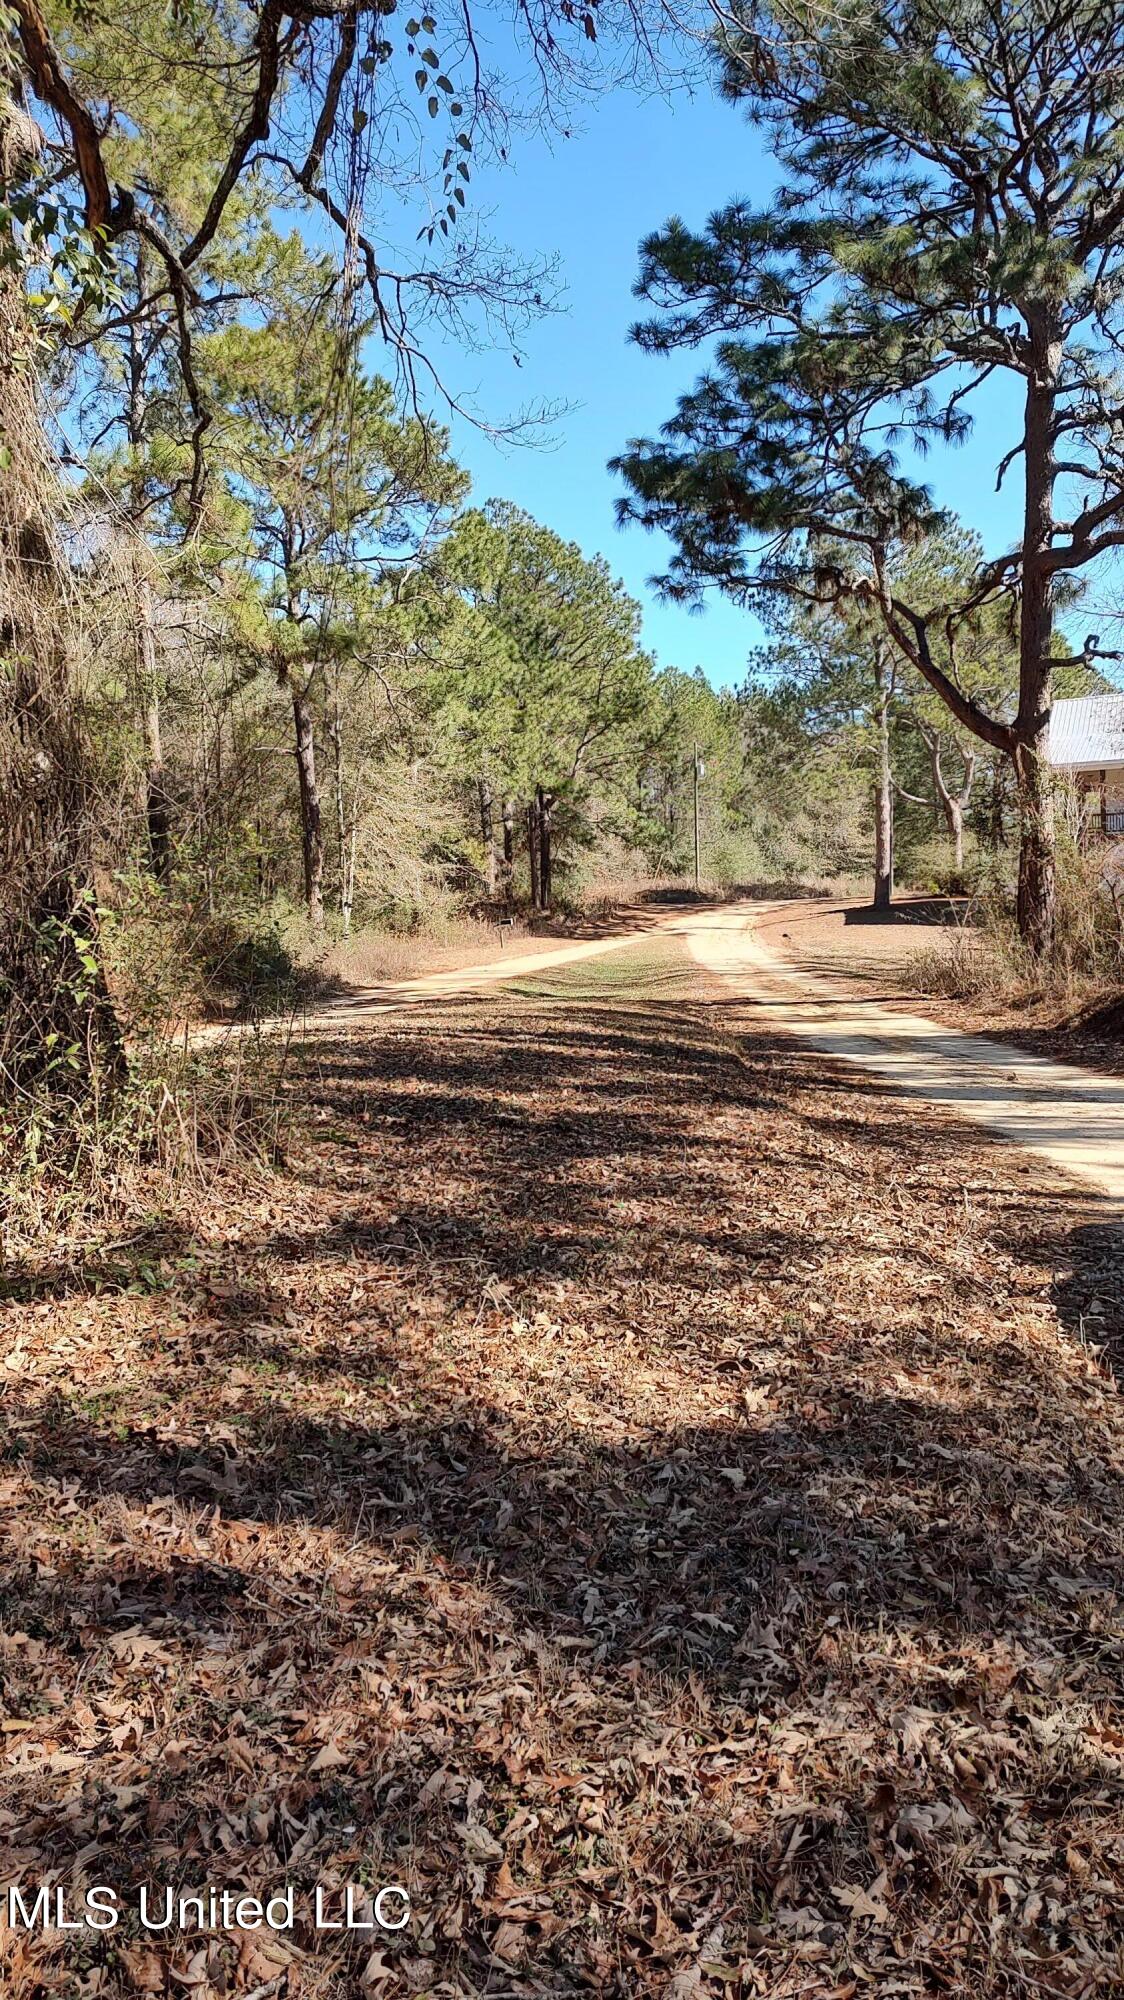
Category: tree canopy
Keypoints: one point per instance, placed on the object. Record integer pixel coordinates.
(554, 672)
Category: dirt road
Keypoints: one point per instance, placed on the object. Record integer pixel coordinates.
(366, 1003)
(1070, 1117)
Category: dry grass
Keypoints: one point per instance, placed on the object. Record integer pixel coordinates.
(185, 1119)
(1070, 1007)
(450, 941)
(376, 958)
(1086, 963)
(965, 965)
(661, 1501)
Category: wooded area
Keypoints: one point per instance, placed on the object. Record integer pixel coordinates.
(269, 654)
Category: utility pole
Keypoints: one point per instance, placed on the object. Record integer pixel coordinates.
(698, 774)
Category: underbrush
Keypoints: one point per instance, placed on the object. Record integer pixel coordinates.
(930, 866)
(182, 1116)
(169, 958)
(984, 957)
(837, 888)
(969, 962)
(373, 957)
(720, 886)
(93, 1132)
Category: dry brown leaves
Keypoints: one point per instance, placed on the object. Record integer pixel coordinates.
(656, 1499)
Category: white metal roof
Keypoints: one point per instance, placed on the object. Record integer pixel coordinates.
(1087, 732)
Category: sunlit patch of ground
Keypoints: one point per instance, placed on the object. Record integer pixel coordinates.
(933, 952)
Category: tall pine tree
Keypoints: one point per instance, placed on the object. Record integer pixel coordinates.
(950, 211)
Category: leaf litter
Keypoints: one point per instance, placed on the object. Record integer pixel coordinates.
(657, 1500)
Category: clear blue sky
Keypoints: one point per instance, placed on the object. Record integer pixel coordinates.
(630, 164)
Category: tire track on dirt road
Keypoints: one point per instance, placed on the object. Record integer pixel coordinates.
(1072, 1117)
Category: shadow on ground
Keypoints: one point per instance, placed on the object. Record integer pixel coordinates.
(629, 1453)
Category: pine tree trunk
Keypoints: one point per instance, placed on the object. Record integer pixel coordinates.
(507, 811)
(997, 832)
(312, 835)
(883, 788)
(545, 802)
(345, 850)
(533, 851)
(156, 790)
(1035, 907)
(954, 813)
(157, 810)
(487, 833)
(347, 891)
(508, 834)
(1037, 875)
(952, 804)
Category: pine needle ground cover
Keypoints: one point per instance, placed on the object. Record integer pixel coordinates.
(657, 1500)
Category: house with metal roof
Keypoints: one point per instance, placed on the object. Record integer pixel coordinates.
(1087, 742)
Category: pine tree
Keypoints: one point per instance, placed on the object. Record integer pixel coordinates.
(951, 210)
(146, 127)
(335, 489)
(548, 680)
(692, 750)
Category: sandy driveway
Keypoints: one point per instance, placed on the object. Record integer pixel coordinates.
(1072, 1117)
(464, 980)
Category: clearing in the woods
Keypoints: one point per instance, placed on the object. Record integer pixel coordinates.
(648, 1486)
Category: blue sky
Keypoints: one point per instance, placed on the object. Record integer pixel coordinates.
(630, 163)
